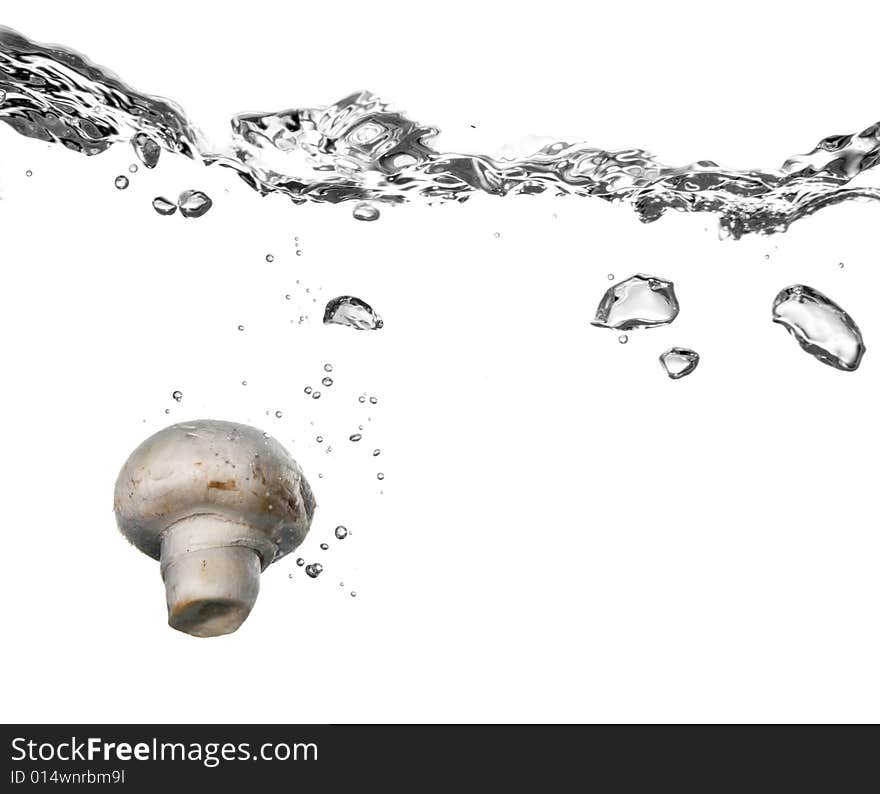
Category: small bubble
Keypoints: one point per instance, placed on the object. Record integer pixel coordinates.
(300, 562)
(365, 212)
(623, 339)
(324, 546)
(376, 453)
(341, 532)
(278, 414)
(241, 328)
(167, 410)
(290, 576)
(132, 169)
(287, 297)
(328, 368)
(121, 182)
(244, 383)
(319, 439)
(611, 276)
(355, 437)
(308, 389)
(766, 256)
(28, 173)
(373, 400)
(298, 252)
(362, 399)
(353, 594)
(314, 569)
(840, 264)
(327, 381)
(380, 476)
(270, 258)
(177, 395)
(316, 395)
(497, 235)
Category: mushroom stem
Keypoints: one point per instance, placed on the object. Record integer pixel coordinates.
(211, 567)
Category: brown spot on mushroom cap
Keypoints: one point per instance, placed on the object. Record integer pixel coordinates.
(223, 485)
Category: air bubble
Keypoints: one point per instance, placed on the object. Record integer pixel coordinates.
(300, 562)
(355, 437)
(341, 532)
(325, 546)
(314, 570)
(365, 212)
(327, 381)
(278, 414)
(316, 395)
(163, 206)
(623, 339)
(121, 182)
(270, 258)
(380, 476)
(177, 395)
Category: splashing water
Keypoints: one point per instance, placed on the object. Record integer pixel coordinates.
(361, 149)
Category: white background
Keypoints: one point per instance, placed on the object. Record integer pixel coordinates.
(563, 533)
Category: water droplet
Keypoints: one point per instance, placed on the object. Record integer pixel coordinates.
(380, 476)
(194, 203)
(341, 532)
(821, 327)
(163, 206)
(679, 361)
(316, 395)
(623, 339)
(300, 562)
(177, 395)
(355, 437)
(146, 149)
(376, 453)
(270, 258)
(328, 368)
(314, 569)
(278, 414)
(638, 302)
(324, 546)
(373, 400)
(121, 182)
(327, 381)
(352, 312)
(365, 212)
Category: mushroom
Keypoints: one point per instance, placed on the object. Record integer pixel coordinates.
(216, 503)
